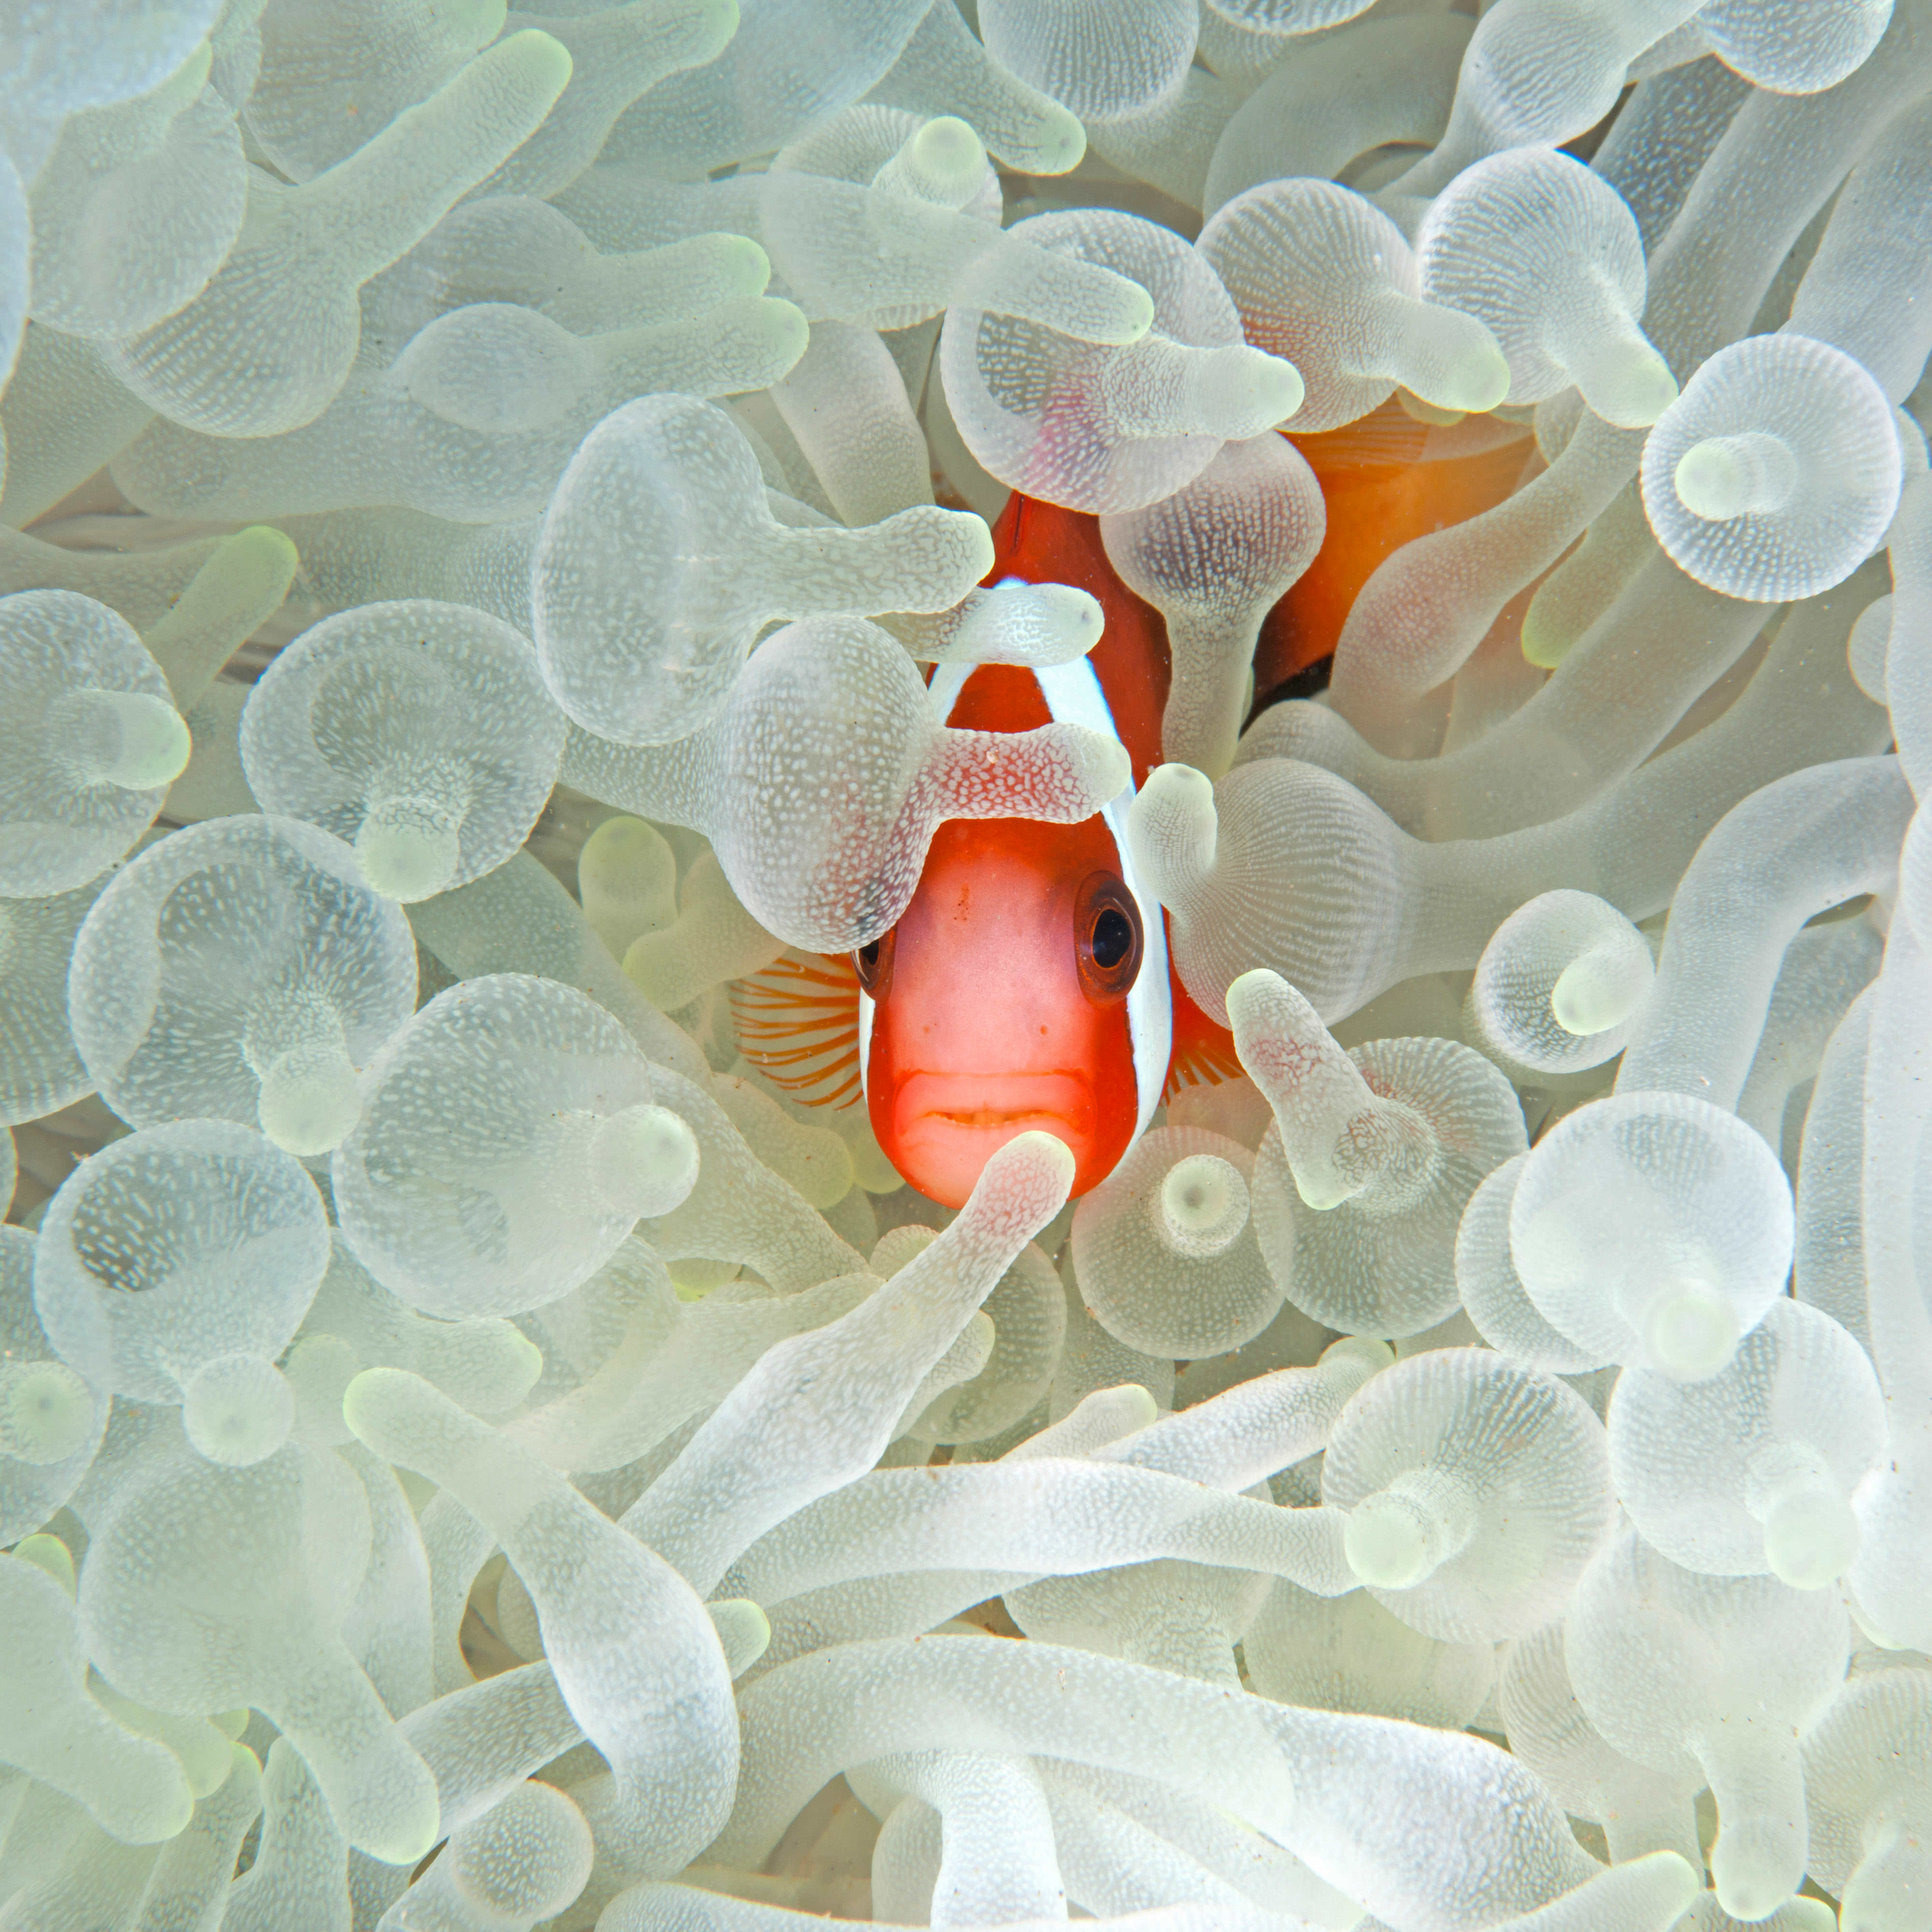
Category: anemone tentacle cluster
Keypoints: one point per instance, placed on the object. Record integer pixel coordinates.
(489, 1440)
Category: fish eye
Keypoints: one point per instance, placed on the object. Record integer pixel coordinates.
(873, 963)
(1113, 938)
(1107, 936)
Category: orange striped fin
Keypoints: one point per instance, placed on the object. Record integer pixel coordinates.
(1204, 1053)
(798, 1024)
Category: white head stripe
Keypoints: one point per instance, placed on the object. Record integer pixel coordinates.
(1074, 697)
(865, 1041)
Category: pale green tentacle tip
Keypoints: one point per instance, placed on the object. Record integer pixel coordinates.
(1138, 317)
(547, 58)
(46, 1412)
(1386, 1543)
(50, 1555)
(263, 547)
(1690, 1331)
(1061, 144)
(238, 1410)
(376, 1401)
(1202, 1206)
(1634, 388)
(155, 748)
(1546, 640)
(1810, 1539)
(1238, 392)
(714, 27)
(945, 141)
(743, 1629)
(943, 163)
(1476, 383)
(743, 268)
(788, 332)
(1371, 1355)
(1281, 382)
(643, 1161)
(308, 1103)
(1728, 476)
(405, 861)
(1746, 1888)
(1600, 989)
(407, 1833)
(136, 741)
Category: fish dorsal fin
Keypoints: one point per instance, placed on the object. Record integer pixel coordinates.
(798, 1024)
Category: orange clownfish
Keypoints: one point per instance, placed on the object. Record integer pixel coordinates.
(1027, 984)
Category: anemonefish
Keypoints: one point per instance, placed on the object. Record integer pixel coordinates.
(1027, 985)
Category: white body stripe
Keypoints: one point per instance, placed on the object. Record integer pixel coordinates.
(1073, 696)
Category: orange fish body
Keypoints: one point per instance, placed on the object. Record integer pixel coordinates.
(1027, 985)
(1385, 480)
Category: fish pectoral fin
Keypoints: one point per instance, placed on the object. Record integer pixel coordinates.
(798, 1024)
(1204, 1054)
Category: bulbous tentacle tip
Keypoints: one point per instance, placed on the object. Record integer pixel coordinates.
(1261, 997)
(1629, 384)
(237, 1409)
(943, 161)
(376, 1399)
(1201, 1207)
(131, 739)
(1174, 826)
(782, 332)
(47, 1413)
(1023, 1186)
(543, 59)
(644, 1161)
(957, 543)
(1727, 476)
(309, 1104)
(404, 859)
(1240, 392)
(1056, 144)
(1136, 312)
(1386, 1544)
(395, 1834)
(744, 1631)
(1449, 359)
(1600, 989)
(715, 22)
(1746, 1879)
(1690, 1332)
(1776, 471)
(1067, 621)
(258, 547)
(1477, 381)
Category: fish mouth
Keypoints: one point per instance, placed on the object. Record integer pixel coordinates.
(993, 1099)
(948, 1126)
(988, 1116)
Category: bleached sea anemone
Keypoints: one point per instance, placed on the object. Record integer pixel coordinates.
(625, 631)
